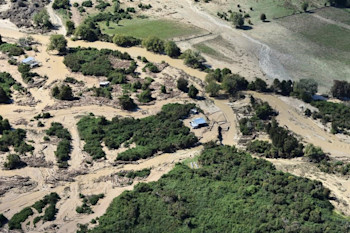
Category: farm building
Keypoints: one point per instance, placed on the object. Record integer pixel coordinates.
(31, 62)
(198, 122)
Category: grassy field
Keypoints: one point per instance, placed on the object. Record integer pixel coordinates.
(271, 8)
(336, 14)
(141, 28)
(205, 49)
(330, 36)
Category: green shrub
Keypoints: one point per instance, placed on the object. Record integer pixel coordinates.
(193, 59)
(17, 219)
(126, 41)
(13, 162)
(61, 4)
(11, 49)
(127, 103)
(64, 92)
(87, 3)
(153, 44)
(145, 96)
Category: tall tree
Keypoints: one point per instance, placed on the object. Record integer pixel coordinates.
(57, 42)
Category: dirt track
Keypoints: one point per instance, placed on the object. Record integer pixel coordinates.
(67, 217)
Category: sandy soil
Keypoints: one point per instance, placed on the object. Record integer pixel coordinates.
(309, 130)
(49, 178)
(218, 112)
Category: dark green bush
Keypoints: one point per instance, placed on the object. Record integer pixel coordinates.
(17, 219)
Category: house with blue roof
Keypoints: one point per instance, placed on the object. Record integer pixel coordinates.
(31, 62)
(198, 122)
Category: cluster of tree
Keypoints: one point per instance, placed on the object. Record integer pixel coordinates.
(20, 217)
(233, 190)
(182, 85)
(336, 113)
(49, 200)
(95, 62)
(340, 89)
(144, 173)
(158, 45)
(89, 30)
(224, 80)
(163, 132)
(15, 138)
(145, 96)
(49, 215)
(193, 59)
(61, 4)
(285, 144)
(6, 82)
(64, 146)
(262, 112)
(44, 115)
(42, 20)
(126, 41)
(340, 3)
(57, 42)
(11, 49)
(151, 68)
(87, 202)
(127, 103)
(14, 162)
(103, 92)
(63, 92)
(26, 73)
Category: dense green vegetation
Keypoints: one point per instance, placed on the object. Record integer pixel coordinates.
(57, 4)
(64, 146)
(231, 191)
(42, 20)
(49, 215)
(126, 41)
(336, 113)
(63, 92)
(87, 202)
(286, 144)
(340, 89)
(6, 83)
(57, 42)
(127, 103)
(133, 174)
(50, 212)
(11, 49)
(163, 132)
(13, 162)
(15, 138)
(262, 113)
(91, 61)
(17, 219)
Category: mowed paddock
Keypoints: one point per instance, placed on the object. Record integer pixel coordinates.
(142, 28)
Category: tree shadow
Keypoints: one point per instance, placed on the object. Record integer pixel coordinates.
(246, 27)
